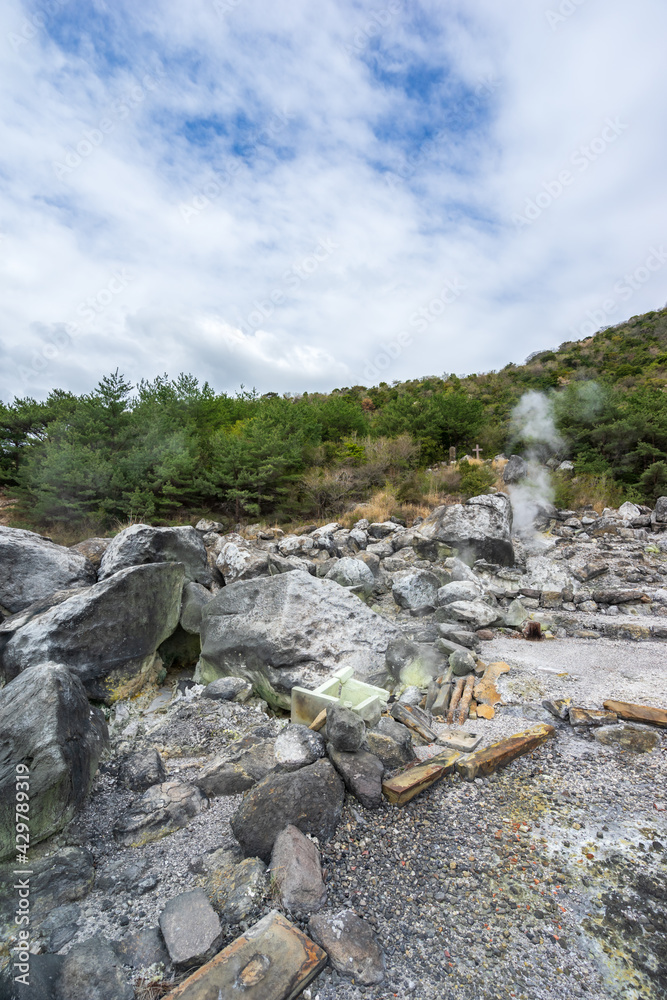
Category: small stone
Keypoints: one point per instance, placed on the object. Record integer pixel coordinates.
(344, 730)
(297, 746)
(141, 770)
(351, 945)
(228, 689)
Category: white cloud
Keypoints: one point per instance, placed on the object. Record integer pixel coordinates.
(308, 127)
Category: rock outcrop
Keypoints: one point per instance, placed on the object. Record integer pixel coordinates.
(290, 629)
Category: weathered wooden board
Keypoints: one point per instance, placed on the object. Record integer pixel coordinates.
(413, 780)
(638, 713)
(414, 719)
(273, 960)
(489, 759)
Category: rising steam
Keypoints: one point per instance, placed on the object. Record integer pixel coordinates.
(534, 429)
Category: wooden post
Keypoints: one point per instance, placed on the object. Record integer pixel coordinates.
(452, 454)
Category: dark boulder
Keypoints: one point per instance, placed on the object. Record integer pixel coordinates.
(51, 739)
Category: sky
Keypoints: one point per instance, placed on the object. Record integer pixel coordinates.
(296, 196)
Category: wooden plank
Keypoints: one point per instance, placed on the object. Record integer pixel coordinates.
(319, 721)
(413, 780)
(489, 759)
(466, 698)
(638, 713)
(413, 719)
(273, 960)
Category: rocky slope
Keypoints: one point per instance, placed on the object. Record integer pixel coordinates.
(172, 805)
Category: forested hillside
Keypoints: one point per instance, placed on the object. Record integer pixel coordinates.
(173, 447)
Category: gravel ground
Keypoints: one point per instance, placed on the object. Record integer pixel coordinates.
(545, 880)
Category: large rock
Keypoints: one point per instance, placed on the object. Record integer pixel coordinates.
(93, 549)
(362, 773)
(52, 740)
(297, 746)
(32, 567)
(480, 529)
(515, 470)
(310, 799)
(141, 769)
(352, 573)
(107, 634)
(297, 873)
(416, 589)
(290, 629)
(140, 544)
(93, 971)
(391, 743)
(191, 929)
(476, 613)
(344, 730)
(459, 590)
(161, 810)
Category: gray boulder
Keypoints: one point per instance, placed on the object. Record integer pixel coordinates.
(344, 729)
(106, 634)
(475, 613)
(43, 977)
(195, 596)
(141, 948)
(459, 590)
(362, 773)
(235, 890)
(659, 511)
(32, 568)
(297, 873)
(415, 589)
(93, 971)
(353, 574)
(311, 799)
(481, 528)
(391, 742)
(48, 728)
(140, 544)
(290, 629)
(238, 767)
(191, 929)
(161, 810)
(462, 662)
(515, 470)
(297, 746)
